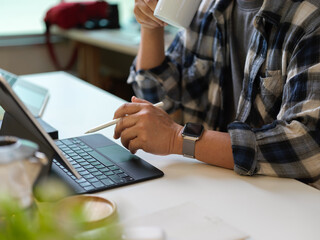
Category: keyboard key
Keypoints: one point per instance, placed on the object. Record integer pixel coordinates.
(88, 166)
(98, 184)
(67, 142)
(96, 163)
(83, 163)
(105, 169)
(96, 173)
(73, 154)
(118, 171)
(83, 154)
(88, 176)
(116, 179)
(87, 149)
(85, 184)
(81, 180)
(100, 177)
(76, 149)
(113, 168)
(107, 182)
(89, 188)
(108, 173)
(87, 157)
(100, 166)
(123, 175)
(91, 170)
(84, 172)
(77, 166)
(92, 180)
(76, 157)
(79, 169)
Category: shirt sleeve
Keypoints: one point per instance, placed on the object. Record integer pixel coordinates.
(289, 146)
(161, 83)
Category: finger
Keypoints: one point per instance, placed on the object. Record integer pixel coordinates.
(134, 145)
(124, 123)
(147, 12)
(127, 109)
(127, 135)
(139, 100)
(151, 4)
(144, 20)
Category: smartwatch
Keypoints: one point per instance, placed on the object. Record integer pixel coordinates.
(190, 133)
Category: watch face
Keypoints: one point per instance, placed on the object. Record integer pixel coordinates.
(192, 129)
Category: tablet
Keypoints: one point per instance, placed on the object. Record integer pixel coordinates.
(33, 96)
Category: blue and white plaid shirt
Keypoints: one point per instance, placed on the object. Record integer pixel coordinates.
(277, 126)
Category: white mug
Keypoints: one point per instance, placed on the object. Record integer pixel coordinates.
(178, 13)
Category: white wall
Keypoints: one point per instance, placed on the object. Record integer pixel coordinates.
(30, 59)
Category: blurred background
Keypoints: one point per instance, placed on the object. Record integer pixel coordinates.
(23, 49)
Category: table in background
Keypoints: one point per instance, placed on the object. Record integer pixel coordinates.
(124, 41)
(264, 207)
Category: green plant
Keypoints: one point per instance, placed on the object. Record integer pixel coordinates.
(43, 221)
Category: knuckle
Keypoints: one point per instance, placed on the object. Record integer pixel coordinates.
(120, 123)
(136, 10)
(146, 115)
(125, 106)
(143, 137)
(133, 147)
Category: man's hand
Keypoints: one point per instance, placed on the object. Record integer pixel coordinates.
(143, 10)
(144, 126)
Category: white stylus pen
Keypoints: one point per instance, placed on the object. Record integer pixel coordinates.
(115, 121)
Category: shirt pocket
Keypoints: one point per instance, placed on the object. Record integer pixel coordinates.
(272, 84)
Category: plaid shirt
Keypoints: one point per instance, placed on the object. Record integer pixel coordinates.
(277, 126)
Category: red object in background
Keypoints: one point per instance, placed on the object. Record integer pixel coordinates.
(72, 14)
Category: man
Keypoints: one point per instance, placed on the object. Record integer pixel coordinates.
(248, 70)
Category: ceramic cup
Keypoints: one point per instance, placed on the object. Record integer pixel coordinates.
(178, 13)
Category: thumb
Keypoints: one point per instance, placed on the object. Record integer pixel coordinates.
(139, 100)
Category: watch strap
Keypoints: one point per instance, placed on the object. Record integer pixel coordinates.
(188, 147)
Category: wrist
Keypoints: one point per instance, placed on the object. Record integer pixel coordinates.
(177, 141)
(152, 31)
(151, 51)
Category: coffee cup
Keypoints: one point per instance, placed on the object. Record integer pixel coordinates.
(178, 13)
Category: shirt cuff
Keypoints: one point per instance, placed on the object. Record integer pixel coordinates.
(244, 147)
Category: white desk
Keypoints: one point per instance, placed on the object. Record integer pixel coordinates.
(264, 207)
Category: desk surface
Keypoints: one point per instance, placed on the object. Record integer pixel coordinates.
(263, 207)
